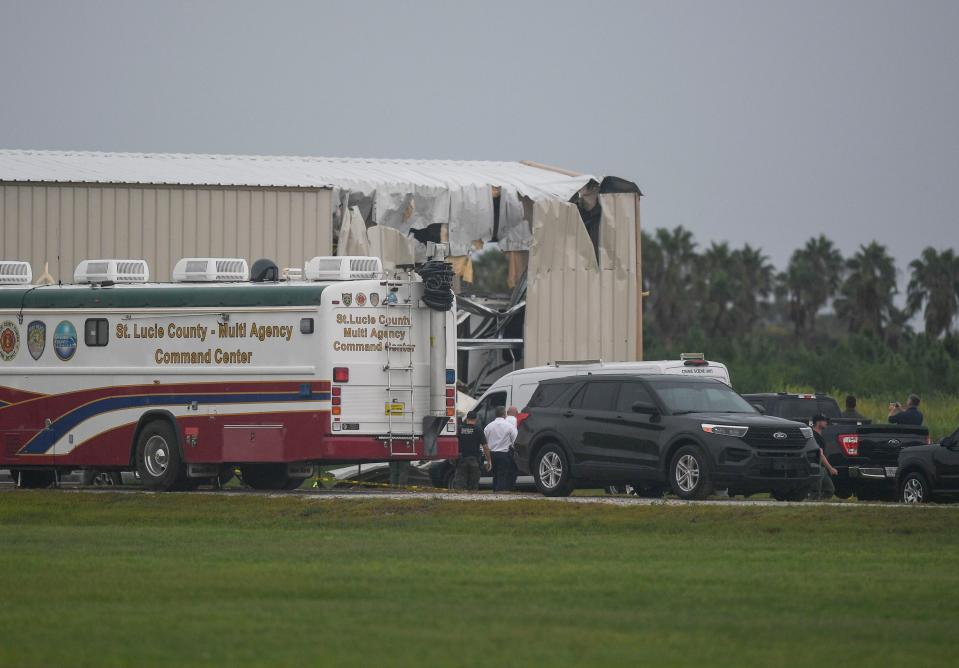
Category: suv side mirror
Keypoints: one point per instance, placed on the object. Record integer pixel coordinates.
(645, 407)
(759, 407)
(948, 442)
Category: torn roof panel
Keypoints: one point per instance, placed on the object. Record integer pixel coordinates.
(362, 174)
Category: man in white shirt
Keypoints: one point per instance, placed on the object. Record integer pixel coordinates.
(500, 436)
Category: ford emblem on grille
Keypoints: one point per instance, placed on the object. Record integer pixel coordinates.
(780, 435)
(895, 442)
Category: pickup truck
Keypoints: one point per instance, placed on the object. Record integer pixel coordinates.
(865, 454)
(930, 472)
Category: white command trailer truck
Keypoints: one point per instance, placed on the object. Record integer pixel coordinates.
(182, 381)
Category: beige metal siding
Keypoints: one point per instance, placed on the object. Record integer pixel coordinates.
(160, 225)
(576, 308)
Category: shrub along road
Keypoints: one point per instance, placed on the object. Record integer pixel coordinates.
(238, 579)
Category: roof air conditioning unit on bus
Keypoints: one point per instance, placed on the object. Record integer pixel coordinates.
(112, 271)
(343, 268)
(211, 270)
(14, 272)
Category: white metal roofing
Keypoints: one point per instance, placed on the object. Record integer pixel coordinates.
(360, 174)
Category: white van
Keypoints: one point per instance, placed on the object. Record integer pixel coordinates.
(516, 388)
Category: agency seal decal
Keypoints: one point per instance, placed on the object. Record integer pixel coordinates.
(9, 340)
(360, 299)
(390, 298)
(347, 298)
(374, 298)
(36, 338)
(65, 340)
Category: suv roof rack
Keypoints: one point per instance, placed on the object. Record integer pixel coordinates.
(572, 362)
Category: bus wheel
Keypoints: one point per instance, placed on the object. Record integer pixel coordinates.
(265, 476)
(33, 479)
(158, 457)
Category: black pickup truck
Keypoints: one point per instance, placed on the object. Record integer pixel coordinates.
(930, 472)
(865, 454)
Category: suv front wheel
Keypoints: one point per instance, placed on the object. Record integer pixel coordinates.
(551, 472)
(689, 475)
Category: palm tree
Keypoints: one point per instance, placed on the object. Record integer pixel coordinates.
(866, 296)
(717, 283)
(809, 282)
(652, 261)
(668, 260)
(935, 283)
(754, 285)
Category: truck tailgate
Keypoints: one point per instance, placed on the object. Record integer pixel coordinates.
(881, 443)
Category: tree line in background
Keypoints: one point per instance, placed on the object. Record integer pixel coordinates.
(825, 321)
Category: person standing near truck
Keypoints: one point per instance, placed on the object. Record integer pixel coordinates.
(851, 413)
(472, 445)
(827, 471)
(500, 436)
(911, 415)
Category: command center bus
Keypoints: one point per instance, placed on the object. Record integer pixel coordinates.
(181, 381)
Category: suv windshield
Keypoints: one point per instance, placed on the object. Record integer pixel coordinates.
(700, 397)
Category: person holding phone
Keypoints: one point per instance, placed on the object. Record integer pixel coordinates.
(910, 416)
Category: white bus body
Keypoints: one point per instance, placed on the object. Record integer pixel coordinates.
(243, 373)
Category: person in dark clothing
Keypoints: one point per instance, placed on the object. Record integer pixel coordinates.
(826, 488)
(910, 416)
(851, 413)
(472, 445)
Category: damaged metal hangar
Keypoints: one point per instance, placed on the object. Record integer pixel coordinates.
(572, 240)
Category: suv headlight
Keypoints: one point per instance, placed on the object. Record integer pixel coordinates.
(806, 432)
(725, 430)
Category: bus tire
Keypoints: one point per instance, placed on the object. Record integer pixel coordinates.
(265, 476)
(33, 478)
(158, 459)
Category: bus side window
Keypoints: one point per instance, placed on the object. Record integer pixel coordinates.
(96, 332)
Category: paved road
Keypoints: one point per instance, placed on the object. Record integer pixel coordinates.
(320, 495)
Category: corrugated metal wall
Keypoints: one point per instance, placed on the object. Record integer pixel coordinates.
(578, 309)
(160, 225)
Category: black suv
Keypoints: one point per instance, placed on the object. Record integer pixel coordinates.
(690, 434)
(929, 471)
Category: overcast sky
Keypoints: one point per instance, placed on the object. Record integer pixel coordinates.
(765, 122)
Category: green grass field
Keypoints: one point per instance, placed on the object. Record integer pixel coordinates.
(176, 579)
